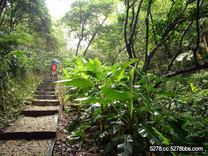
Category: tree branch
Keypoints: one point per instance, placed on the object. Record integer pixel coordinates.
(126, 23)
(3, 4)
(198, 34)
(164, 37)
(128, 46)
(137, 15)
(129, 43)
(147, 31)
(4, 13)
(153, 29)
(81, 38)
(173, 3)
(113, 62)
(133, 4)
(180, 49)
(181, 41)
(190, 69)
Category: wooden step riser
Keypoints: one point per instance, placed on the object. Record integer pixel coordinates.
(45, 93)
(35, 113)
(45, 89)
(47, 85)
(28, 135)
(49, 80)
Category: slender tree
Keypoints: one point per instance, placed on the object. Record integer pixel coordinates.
(85, 19)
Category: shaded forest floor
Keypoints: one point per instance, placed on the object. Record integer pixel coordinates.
(61, 148)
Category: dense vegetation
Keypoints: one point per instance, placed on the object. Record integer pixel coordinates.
(136, 71)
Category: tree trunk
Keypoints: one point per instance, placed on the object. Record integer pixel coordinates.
(93, 36)
(114, 59)
(205, 42)
(81, 38)
(133, 24)
(78, 46)
(2, 6)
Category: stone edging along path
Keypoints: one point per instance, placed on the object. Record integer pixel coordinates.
(34, 132)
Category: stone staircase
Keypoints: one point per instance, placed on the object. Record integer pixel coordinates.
(34, 132)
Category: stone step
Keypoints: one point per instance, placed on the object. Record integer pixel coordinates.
(45, 93)
(45, 102)
(46, 84)
(45, 89)
(46, 97)
(52, 79)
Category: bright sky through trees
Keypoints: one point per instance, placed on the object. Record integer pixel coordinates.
(57, 8)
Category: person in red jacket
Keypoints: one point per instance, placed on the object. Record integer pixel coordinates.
(53, 69)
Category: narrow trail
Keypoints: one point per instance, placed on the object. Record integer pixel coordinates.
(34, 132)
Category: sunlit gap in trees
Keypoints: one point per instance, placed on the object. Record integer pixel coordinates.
(57, 8)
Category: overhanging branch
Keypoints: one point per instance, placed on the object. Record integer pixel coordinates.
(194, 68)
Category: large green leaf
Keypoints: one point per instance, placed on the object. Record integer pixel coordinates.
(165, 140)
(146, 99)
(113, 94)
(75, 123)
(81, 67)
(147, 131)
(110, 81)
(123, 68)
(108, 147)
(66, 73)
(19, 54)
(165, 93)
(131, 80)
(117, 75)
(98, 65)
(94, 66)
(80, 64)
(199, 133)
(114, 68)
(139, 73)
(91, 100)
(78, 82)
(177, 125)
(125, 148)
(193, 88)
(90, 73)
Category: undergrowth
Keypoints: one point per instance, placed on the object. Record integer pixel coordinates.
(119, 109)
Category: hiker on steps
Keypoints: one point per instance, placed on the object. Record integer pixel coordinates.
(53, 69)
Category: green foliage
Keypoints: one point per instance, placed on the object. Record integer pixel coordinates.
(17, 75)
(14, 92)
(125, 148)
(23, 13)
(127, 117)
(86, 19)
(147, 131)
